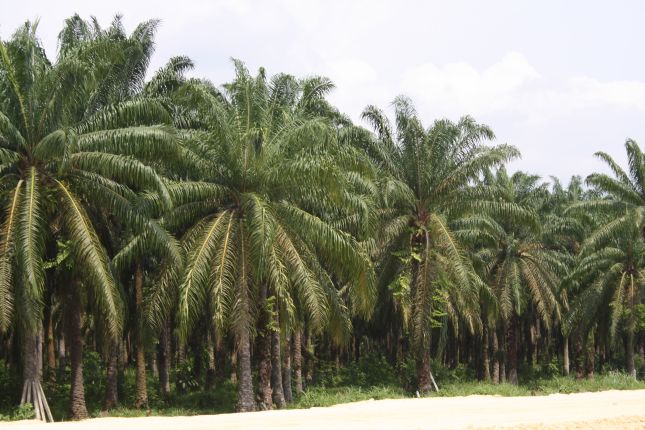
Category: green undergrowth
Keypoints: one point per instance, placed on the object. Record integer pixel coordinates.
(371, 377)
(543, 386)
(322, 396)
(328, 396)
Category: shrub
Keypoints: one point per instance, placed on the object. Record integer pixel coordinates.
(22, 412)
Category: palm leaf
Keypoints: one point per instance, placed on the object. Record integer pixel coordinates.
(90, 255)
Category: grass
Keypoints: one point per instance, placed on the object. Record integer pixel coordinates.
(219, 400)
(543, 386)
(320, 396)
(222, 398)
(157, 412)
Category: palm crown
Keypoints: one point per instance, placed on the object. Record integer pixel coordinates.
(53, 150)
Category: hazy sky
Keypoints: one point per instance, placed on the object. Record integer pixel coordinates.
(558, 79)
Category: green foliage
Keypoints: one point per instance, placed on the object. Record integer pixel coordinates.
(639, 316)
(185, 377)
(23, 412)
(191, 401)
(543, 386)
(11, 384)
(371, 370)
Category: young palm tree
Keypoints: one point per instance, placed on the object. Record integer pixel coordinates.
(273, 168)
(63, 152)
(427, 174)
(611, 267)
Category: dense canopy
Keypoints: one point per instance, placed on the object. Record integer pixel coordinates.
(249, 235)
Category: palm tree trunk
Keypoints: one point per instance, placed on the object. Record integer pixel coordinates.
(577, 357)
(503, 353)
(124, 359)
(111, 387)
(181, 353)
(286, 373)
(589, 355)
(309, 360)
(51, 347)
(233, 375)
(532, 353)
(296, 351)
(419, 337)
(512, 350)
(245, 402)
(496, 358)
(141, 400)
(32, 391)
(196, 346)
(164, 361)
(629, 354)
(276, 363)
(423, 372)
(565, 356)
(210, 365)
(153, 365)
(485, 356)
(62, 357)
(264, 352)
(78, 410)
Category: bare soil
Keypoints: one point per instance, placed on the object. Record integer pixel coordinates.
(601, 410)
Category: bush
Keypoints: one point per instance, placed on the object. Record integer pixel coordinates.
(22, 412)
(371, 370)
(184, 377)
(11, 384)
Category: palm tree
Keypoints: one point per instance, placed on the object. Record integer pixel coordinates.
(565, 231)
(126, 82)
(522, 273)
(612, 283)
(273, 168)
(612, 262)
(67, 156)
(426, 186)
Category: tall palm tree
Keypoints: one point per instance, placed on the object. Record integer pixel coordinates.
(523, 274)
(612, 265)
(565, 231)
(427, 176)
(66, 156)
(273, 170)
(126, 81)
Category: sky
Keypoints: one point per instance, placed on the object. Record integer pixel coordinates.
(559, 80)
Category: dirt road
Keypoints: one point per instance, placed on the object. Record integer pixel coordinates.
(603, 410)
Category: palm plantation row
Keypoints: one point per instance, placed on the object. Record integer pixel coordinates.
(254, 232)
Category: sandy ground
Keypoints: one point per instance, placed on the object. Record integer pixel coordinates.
(603, 410)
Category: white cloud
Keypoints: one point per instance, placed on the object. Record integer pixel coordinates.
(350, 71)
(568, 91)
(591, 92)
(460, 87)
(513, 87)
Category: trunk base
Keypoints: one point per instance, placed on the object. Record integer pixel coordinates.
(32, 392)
